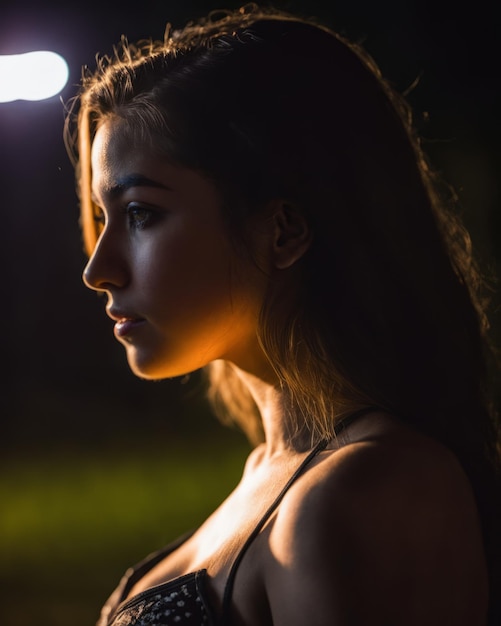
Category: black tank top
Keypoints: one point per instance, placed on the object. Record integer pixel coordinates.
(183, 600)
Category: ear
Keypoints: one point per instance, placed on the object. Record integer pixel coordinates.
(292, 235)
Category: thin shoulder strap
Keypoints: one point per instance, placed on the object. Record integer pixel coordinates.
(228, 590)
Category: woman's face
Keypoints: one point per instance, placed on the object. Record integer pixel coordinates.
(180, 294)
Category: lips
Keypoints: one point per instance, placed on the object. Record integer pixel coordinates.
(125, 323)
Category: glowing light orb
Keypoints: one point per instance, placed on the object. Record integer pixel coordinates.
(32, 76)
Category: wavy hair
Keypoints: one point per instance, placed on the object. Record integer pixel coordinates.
(390, 307)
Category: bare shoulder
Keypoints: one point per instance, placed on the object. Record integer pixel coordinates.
(383, 530)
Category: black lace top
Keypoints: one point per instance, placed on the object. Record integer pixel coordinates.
(180, 601)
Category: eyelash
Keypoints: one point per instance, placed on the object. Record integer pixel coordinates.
(139, 217)
(99, 219)
(133, 213)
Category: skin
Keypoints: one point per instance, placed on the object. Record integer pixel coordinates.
(164, 258)
(382, 528)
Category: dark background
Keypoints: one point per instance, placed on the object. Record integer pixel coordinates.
(65, 377)
(81, 438)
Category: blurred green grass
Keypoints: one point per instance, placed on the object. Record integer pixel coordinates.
(72, 521)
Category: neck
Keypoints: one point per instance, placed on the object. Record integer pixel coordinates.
(282, 434)
(278, 427)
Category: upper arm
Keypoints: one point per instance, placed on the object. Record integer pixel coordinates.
(374, 537)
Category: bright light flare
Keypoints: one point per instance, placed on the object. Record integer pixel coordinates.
(32, 76)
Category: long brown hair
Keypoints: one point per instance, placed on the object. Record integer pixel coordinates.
(390, 308)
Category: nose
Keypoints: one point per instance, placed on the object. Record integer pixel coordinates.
(106, 268)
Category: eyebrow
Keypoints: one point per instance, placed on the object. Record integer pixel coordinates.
(132, 180)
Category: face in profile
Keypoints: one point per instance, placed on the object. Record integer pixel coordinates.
(178, 289)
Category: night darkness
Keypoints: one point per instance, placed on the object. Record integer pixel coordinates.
(62, 367)
(65, 382)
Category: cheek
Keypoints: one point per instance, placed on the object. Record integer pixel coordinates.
(187, 272)
(189, 269)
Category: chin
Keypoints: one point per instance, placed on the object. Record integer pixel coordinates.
(149, 373)
(156, 371)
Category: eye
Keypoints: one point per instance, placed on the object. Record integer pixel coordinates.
(139, 217)
(99, 218)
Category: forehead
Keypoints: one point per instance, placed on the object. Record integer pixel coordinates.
(121, 163)
(115, 152)
(121, 159)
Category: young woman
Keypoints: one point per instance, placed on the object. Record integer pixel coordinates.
(254, 201)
